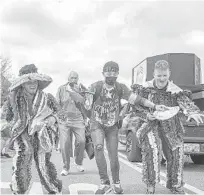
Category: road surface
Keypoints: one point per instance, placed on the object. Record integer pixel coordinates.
(86, 182)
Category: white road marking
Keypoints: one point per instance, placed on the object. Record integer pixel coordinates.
(138, 167)
(4, 185)
(36, 188)
(74, 188)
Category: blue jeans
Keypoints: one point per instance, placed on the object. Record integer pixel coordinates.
(66, 144)
(110, 134)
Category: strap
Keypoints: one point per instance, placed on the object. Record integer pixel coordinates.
(81, 109)
(99, 86)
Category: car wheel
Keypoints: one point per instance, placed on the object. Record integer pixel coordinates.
(132, 150)
(197, 159)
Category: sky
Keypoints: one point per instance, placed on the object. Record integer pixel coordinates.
(60, 36)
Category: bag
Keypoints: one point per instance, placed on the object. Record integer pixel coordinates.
(89, 147)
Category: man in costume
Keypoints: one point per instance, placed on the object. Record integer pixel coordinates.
(72, 121)
(152, 132)
(104, 105)
(31, 114)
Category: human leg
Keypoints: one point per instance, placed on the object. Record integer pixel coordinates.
(175, 161)
(111, 136)
(79, 144)
(22, 164)
(66, 146)
(98, 136)
(46, 169)
(151, 160)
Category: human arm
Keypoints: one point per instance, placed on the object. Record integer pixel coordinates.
(89, 97)
(134, 98)
(54, 106)
(190, 110)
(74, 93)
(58, 97)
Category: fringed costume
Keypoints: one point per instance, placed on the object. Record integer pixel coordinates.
(31, 139)
(167, 133)
(34, 131)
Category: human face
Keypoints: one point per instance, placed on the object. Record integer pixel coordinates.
(110, 77)
(110, 80)
(161, 77)
(31, 86)
(73, 78)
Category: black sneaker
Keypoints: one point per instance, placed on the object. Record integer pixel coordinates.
(52, 192)
(150, 189)
(117, 189)
(177, 190)
(168, 184)
(7, 155)
(104, 188)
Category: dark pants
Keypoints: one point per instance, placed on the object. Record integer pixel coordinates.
(110, 134)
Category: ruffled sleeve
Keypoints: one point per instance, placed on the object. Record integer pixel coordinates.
(52, 103)
(140, 110)
(186, 104)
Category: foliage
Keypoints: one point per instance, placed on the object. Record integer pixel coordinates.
(5, 74)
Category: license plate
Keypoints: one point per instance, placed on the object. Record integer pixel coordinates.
(190, 148)
(202, 147)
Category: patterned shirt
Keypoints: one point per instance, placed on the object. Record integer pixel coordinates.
(106, 108)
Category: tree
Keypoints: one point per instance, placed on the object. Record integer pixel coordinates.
(5, 66)
(5, 74)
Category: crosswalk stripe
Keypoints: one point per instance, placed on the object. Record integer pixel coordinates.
(36, 188)
(5, 184)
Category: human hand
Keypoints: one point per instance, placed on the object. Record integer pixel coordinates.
(86, 122)
(88, 101)
(132, 98)
(150, 117)
(50, 121)
(196, 117)
(161, 108)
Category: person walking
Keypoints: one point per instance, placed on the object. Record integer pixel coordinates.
(71, 122)
(32, 115)
(105, 120)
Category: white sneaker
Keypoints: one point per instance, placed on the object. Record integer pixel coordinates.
(64, 172)
(79, 168)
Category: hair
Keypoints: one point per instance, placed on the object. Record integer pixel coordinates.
(30, 68)
(161, 65)
(111, 66)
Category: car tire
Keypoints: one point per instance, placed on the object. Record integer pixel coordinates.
(132, 150)
(197, 159)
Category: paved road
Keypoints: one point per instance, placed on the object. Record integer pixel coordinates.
(193, 174)
(87, 182)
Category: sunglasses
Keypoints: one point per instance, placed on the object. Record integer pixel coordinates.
(110, 74)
